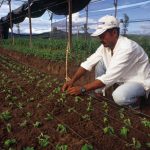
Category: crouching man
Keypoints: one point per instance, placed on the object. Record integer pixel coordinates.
(117, 60)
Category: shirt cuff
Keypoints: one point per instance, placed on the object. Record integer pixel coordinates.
(85, 66)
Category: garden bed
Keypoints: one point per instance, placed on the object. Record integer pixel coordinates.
(36, 115)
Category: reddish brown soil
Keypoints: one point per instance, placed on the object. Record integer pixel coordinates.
(29, 90)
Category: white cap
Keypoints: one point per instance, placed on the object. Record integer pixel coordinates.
(105, 23)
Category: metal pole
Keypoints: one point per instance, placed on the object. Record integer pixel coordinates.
(30, 24)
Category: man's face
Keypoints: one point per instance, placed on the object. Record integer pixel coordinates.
(108, 38)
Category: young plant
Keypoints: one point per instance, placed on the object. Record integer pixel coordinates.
(109, 130)
(78, 99)
(9, 142)
(61, 147)
(23, 124)
(105, 107)
(135, 144)
(43, 140)
(28, 148)
(6, 115)
(124, 131)
(145, 122)
(72, 109)
(121, 113)
(28, 114)
(8, 127)
(127, 122)
(89, 107)
(61, 128)
(105, 120)
(37, 124)
(87, 147)
(49, 117)
(148, 145)
(86, 117)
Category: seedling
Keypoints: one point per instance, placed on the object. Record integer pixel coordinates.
(61, 147)
(28, 148)
(6, 115)
(9, 142)
(105, 107)
(135, 144)
(86, 117)
(105, 120)
(29, 114)
(8, 127)
(145, 122)
(78, 99)
(89, 107)
(148, 145)
(72, 109)
(49, 117)
(61, 128)
(57, 90)
(23, 124)
(39, 105)
(37, 124)
(19, 105)
(43, 140)
(87, 147)
(121, 113)
(127, 122)
(109, 130)
(124, 131)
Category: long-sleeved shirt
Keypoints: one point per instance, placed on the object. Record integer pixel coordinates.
(129, 62)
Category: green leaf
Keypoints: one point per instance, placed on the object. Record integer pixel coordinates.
(148, 145)
(9, 142)
(124, 131)
(87, 147)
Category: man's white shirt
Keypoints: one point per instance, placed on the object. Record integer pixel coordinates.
(129, 63)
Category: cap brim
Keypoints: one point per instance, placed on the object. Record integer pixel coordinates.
(98, 32)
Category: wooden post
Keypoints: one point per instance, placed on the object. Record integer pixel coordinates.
(70, 24)
(30, 24)
(86, 23)
(66, 27)
(69, 45)
(11, 24)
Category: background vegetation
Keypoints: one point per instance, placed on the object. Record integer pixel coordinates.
(55, 49)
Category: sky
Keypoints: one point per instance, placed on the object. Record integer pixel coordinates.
(137, 11)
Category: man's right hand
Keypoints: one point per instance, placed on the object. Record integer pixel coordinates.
(67, 85)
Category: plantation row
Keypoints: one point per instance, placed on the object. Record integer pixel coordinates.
(35, 115)
(54, 49)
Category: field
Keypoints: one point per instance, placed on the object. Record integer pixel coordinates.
(36, 115)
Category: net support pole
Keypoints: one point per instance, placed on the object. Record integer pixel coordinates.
(30, 23)
(11, 24)
(69, 45)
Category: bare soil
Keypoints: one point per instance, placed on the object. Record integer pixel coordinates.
(30, 89)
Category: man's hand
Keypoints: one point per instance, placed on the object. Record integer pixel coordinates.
(67, 85)
(74, 90)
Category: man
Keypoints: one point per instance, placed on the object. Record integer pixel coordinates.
(117, 60)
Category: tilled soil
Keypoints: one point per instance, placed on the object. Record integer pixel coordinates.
(36, 114)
